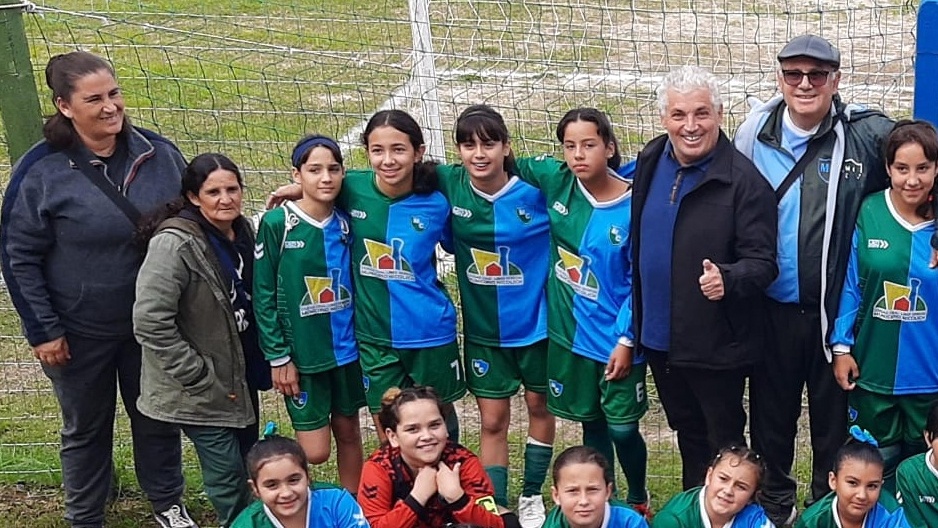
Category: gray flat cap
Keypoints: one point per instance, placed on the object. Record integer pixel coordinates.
(813, 47)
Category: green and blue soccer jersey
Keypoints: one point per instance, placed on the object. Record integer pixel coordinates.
(326, 508)
(686, 510)
(917, 490)
(501, 243)
(887, 309)
(617, 515)
(823, 514)
(589, 291)
(303, 289)
(399, 301)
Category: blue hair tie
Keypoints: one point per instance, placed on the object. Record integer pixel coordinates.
(270, 430)
(862, 435)
(306, 146)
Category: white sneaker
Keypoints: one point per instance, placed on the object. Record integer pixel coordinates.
(175, 516)
(531, 511)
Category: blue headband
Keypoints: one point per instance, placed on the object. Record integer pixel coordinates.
(270, 430)
(306, 146)
(862, 435)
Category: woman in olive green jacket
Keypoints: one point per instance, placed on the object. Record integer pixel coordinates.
(201, 365)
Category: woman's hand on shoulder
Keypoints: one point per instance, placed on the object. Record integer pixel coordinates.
(290, 191)
(53, 353)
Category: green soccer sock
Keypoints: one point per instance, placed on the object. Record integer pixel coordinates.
(633, 457)
(596, 435)
(452, 426)
(499, 478)
(536, 463)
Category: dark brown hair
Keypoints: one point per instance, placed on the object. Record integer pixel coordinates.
(581, 455)
(424, 179)
(923, 133)
(390, 414)
(62, 74)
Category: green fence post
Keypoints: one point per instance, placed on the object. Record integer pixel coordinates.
(19, 100)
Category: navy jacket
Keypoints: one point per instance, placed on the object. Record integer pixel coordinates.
(67, 251)
(730, 218)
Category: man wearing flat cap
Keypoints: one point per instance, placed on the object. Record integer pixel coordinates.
(822, 157)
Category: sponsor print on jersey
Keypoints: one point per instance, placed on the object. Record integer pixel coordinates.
(385, 262)
(573, 270)
(480, 367)
(901, 303)
(493, 269)
(556, 388)
(325, 295)
(299, 401)
(461, 212)
(877, 243)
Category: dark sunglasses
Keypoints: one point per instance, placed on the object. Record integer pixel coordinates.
(815, 77)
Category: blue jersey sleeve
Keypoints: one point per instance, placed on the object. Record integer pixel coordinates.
(843, 335)
(343, 510)
(625, 330)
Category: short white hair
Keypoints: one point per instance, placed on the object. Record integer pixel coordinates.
(686, 79)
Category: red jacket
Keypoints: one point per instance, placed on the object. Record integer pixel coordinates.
(384, 493)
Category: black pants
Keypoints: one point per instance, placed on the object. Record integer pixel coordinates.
(704, 407)
(86, 388)
(794, 358)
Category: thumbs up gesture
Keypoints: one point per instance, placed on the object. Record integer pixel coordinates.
(711, 281)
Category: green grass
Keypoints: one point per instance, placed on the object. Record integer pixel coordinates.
(249, 77)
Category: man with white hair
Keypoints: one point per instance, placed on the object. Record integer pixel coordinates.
(822, 157)
(704, 229)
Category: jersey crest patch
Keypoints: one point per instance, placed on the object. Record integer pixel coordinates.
(852, 414)
(480, 367)
(299, 401)
(418, 223)
(385, 262)
(556, 388)
(493, 269)
(523, 215)
(901, 303)
(853, 168)
(325, 295)
(616, 235)
(574, 271)
(824, 169)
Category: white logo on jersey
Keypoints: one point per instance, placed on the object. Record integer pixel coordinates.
(258, 251)
(294, 244)
(560, 208)
(853, 168)
(462, 213)
(357, 213)
(877, 243)
(901, 302)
